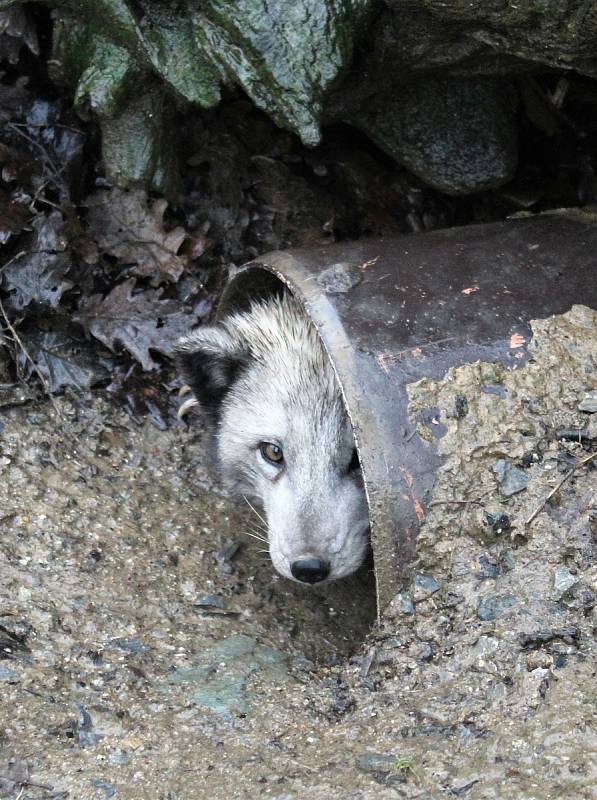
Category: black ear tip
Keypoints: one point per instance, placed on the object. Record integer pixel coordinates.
(209, 368)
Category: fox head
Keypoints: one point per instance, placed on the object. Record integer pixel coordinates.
(282, 435)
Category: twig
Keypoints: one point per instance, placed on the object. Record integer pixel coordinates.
(17, 339)
(559, 486)
(14, 258)
(456, 502)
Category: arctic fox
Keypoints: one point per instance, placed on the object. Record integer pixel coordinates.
(282, 435)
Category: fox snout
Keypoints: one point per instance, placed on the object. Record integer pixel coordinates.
(310, 569)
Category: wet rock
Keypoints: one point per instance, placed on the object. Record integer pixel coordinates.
(107, 788)
(339, 278)
(494, 606)
(460, 406)
(403, 603)
(511, 479)
(210, 601)
(563, 580)
(283, 55)
(8, 675)
(376, 762)
(425, 652)
(423, 587)
(225, 556)
(456, 134)
(489, 567)
(220, 679)
(484, 647)
(589, 403)
(119, 758)
(13, 636)
(84, 728)
(461, 787)
(582, 435)
(539, 638)
(214, 605)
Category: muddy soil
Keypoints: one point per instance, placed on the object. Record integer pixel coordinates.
(149, 651)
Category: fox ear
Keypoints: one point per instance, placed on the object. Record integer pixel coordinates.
(210, 360)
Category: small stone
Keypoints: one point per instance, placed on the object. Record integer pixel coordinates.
(229, 550)
(460, 406)
(484, 647)
(511, 479)
(489, 568)
(36, 419)
(132, 742)
(425, 652)
(404, 603)
(339, 278)
(85, 733)
(8, 675)
(376, 762)
(563, 580)
(589, 403)
(119, 757)
(210, 601)
(494, 606)
(104, 786)
(424, 587)
(507, 562)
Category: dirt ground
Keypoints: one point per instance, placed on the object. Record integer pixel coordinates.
(149, 651)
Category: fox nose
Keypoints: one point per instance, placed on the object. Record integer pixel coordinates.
(310, 569)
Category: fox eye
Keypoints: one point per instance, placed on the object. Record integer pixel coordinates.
(272, 453)
(355, 464)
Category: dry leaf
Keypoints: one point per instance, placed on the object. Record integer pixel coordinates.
(130, 227)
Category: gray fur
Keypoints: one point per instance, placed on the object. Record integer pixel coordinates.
(270, 380)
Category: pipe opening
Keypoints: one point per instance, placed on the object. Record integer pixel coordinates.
(342, 610)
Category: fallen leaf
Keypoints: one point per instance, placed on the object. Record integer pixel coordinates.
(39, 275)
(139, 322)
(62, 358)
(13, 216)
(129, 227)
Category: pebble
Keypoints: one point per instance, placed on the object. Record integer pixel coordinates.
(494, 606)
(106, 788)
(376, 762)
(404, 603)
(210, 601)
(511, 479)
(219, 679)
(498, 521)
(563, 580)
(424, 587)
(119, 757)
(425, 652)
(589, 403)
(9, 675)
